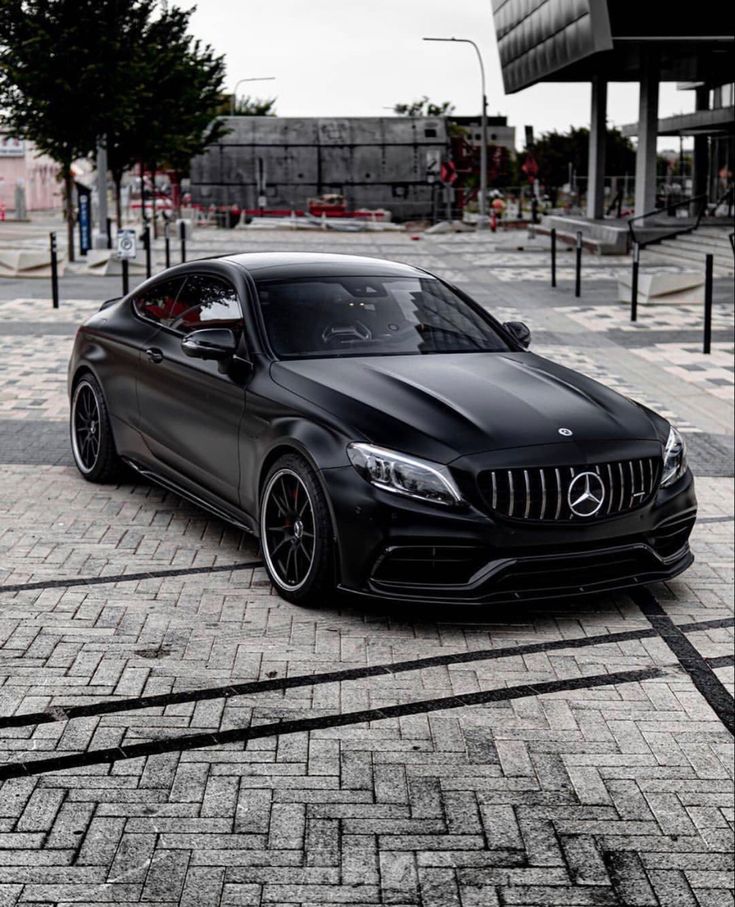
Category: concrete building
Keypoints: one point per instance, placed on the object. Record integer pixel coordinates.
(498, 131)
(281, 162)
(602, 41)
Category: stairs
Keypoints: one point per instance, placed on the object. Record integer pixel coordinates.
(689, 249)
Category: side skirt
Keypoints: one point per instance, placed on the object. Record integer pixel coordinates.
(242, 521)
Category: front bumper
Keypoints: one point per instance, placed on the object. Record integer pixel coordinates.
(397, 548)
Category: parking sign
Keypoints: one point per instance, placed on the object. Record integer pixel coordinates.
(126, 244)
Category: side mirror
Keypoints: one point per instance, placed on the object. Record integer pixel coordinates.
(520, 331)
(210, 343)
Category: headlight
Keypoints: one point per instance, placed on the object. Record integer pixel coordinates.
(396, 472)
(675, 458)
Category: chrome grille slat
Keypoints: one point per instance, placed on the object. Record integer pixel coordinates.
(511, 489)
(542, 514)
(532, 493)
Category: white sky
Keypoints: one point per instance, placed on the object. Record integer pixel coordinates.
(357, 57)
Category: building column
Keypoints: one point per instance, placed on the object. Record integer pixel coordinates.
(700, 169)
(645, 161)
(598, 134)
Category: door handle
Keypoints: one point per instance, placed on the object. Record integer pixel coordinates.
(155, 355)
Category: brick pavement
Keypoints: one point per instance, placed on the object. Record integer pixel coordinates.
(576, 753)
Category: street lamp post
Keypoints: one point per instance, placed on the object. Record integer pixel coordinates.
(233, 99)
(482, 223)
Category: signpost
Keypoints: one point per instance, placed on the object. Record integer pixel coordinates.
(126, 249)
(84, 197)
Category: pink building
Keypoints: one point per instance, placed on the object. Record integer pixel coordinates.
(20, 164)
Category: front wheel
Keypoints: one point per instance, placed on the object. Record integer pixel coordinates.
(92, 443)
(296, 533)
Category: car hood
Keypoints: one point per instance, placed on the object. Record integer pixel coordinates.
(450, 405)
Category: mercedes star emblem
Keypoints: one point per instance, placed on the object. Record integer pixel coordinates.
(567, 432)
(586, 494)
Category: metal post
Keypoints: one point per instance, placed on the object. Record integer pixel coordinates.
(109, 232)
(167, 243)
(54, 271)
(482, 199)
(125, 277)
(634, 282)
(147, 246)
(553, 256)
(182, 239)
(578, 269)
(100, 238)
(708, 275)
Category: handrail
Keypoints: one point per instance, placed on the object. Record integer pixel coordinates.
(700, 200)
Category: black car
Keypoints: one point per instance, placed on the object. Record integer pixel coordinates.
(380, 433)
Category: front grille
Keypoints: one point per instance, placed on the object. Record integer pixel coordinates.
(542, 493)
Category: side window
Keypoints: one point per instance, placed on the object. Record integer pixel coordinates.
(158, 303)
(206, 302)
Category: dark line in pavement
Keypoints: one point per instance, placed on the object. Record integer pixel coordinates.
(715, 519)
(227, 691)
(721, 661)
(126, 577)
(694, 663)
(714, 624)
(281, 728)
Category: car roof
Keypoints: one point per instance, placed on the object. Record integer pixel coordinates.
(274, 265)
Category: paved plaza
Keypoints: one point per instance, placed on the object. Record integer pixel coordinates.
(173, 733)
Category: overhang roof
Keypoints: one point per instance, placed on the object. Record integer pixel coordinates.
(576, 40)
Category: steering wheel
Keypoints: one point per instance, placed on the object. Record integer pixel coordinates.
(353, 332)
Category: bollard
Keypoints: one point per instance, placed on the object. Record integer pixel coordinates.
(54, 271)
(147, 246)
(634, 282)
(109, 232)
(708, 275)
(553, 256)
(182, 239)
(125, 277)
(578, 267)
(167, 245)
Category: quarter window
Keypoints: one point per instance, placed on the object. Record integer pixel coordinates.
(158, 303)
(206, 302)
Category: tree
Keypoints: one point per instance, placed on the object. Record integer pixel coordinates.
(254, 107)
(424, 108)
(63, 71)
(555, 151)
(178, 90)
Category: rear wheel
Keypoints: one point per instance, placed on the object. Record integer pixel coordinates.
(296, 532)
(92, 443)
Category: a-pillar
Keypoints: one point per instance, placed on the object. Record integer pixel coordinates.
(701, 149)
(598, 133)
(645, 161)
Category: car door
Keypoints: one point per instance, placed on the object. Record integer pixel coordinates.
(190, 409)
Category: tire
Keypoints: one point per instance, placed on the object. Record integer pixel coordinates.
(296, 535)
(92, 444)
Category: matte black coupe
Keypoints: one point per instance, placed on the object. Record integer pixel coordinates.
(380, 433)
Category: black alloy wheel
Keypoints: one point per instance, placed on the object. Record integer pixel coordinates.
(296, 534)
(92, 443)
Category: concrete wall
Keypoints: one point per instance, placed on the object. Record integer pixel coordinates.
(376, 162)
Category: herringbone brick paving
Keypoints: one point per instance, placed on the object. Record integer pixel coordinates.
(610, 793)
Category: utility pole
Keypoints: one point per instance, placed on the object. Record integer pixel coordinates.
(482, 201)
(100, 236)
(233, 99)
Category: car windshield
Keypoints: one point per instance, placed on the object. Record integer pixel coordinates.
(327, 317)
